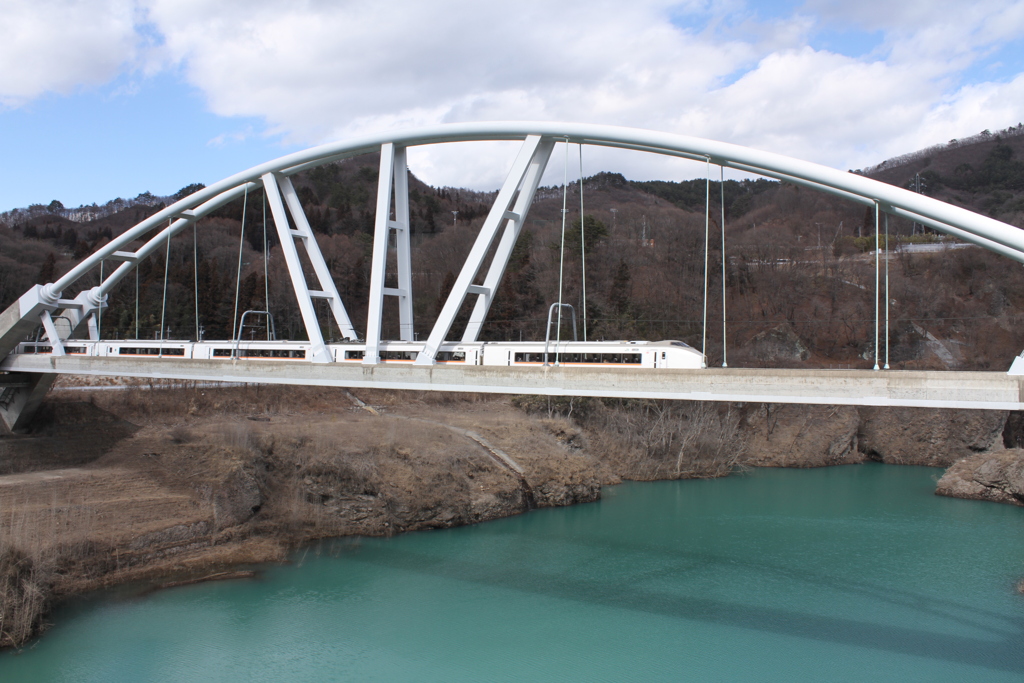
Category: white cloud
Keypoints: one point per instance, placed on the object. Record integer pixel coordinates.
(58, 45)
(970, 110)
(316, 70)
(937, 36)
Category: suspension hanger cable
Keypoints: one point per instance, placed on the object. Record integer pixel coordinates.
(886, 291)
(266, 280)
(583, 246)
(561, 255)
(136, 301)
(195, 269)
(877, 289)
(99, 313)
(163, 306)
(238, 276)
(721, 185)
(707, 234)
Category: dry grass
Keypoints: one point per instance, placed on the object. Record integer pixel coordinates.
(23, 597)
(188, 400)
(647, 440)
(39, 536)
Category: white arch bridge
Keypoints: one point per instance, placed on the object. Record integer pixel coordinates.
(29, 375)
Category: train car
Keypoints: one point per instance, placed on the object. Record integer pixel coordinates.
(636, 354)
(72, 347)
(139, 348)
(251, 350)
(455, 353)
(114, 348)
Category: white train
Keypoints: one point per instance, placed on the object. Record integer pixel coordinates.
(636, 354)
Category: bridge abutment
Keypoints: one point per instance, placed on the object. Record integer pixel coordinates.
(21, 394)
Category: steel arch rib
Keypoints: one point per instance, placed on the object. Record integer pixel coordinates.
(967, 225)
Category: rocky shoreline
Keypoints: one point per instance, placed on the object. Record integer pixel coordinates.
(173, 485)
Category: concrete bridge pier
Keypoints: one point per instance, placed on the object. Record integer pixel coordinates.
(21, 394)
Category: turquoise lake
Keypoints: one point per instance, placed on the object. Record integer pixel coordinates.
(854, 573)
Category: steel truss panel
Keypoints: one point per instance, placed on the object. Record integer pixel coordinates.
(319, 352)
(304, 233)
(526, 162)
(514, 220)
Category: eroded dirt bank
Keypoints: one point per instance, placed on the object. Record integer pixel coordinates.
(180, 483)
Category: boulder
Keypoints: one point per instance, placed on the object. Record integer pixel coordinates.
(778, 344)
(996, 476)
(237, 497)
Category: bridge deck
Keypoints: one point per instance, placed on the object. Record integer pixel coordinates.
(930, 389)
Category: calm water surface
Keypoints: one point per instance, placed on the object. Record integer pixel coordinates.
(843, 574)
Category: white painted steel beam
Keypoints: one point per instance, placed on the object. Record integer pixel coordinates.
(403, 245)
(521, 167)
(323, 274)
(393, 178)
(514, 220)
(318, 350)
(51, 333)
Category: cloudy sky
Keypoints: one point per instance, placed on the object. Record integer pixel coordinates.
(100, 99)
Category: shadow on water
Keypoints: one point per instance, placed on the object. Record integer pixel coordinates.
(946, 609)
(1006, 653)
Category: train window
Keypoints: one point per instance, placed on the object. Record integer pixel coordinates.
(451, 356)
(260, 353)
(149, 351)
(594, 358)
(288, 353)
(663, 355)
(74, 349)
(398, 355)
(354, 355)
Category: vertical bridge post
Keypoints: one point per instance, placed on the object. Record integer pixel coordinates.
(522, 178)
(393, 174)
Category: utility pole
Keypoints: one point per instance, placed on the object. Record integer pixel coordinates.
(455, 218)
